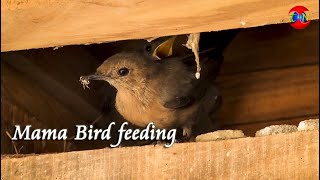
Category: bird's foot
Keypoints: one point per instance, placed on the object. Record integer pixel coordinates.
(186, 131)
(185, 135)
(159, 142)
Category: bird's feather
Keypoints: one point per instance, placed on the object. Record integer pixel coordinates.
(192, 90)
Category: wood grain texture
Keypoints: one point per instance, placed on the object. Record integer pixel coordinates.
(29, 96)
(10, 116)
(284, 156)
(48, 23)
(272, 46)
(43, 92)
(54, 88)
(269, 95)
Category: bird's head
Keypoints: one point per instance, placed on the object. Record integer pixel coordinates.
(132, 70)
(123, 70)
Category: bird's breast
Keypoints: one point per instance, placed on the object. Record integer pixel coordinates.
(141, 113)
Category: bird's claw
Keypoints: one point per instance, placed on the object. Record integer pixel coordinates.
(186, 131)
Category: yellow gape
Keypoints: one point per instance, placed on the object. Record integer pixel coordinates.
(164, 49)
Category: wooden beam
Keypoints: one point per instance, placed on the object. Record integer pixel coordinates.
(284, 156)
(270, 47)
(43, 23)
(269, 95)
(56, 89)
(12, 115)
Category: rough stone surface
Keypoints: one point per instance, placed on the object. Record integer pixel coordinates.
(220, 135)
(276, 129)
(309, 125)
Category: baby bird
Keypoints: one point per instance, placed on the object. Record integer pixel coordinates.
(155, 86)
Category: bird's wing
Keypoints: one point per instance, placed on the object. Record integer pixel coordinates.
(188, 89)
(210, 62)
(179, 102)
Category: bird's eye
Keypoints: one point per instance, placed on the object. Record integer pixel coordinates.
(148, 48)
(123, 71)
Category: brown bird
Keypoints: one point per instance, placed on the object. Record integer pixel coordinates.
(164, 91)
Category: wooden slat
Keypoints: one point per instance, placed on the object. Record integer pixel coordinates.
(273, 46)
(284, 156)
(269, 95)
(12, 115)
(54, 88)
(35, 100)
(43, 23)
(29, 96)
(32, 89)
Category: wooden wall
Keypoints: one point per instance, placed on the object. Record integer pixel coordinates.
(44, 84)
(285, 156)
(270, 76)
(49, 23)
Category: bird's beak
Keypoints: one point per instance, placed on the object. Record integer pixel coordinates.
(85, 80)
(164, 49)
(96, 76)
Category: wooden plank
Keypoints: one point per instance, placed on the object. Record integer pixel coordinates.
(48, 112)
(253, 49)
(43, 23)
(12, 115)
(26, 88)
(273, 46)
(269, 95)
(66, 65)
(284, 156)
(54, 88)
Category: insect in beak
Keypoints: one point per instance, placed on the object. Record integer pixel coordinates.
(85, 80)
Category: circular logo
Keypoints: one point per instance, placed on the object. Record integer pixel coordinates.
(298, 17)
